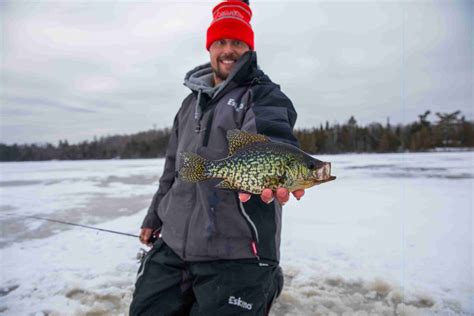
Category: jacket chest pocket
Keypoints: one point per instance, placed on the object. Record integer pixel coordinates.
(228, 114)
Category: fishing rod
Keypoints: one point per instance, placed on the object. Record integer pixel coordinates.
(141, 253)
(80, 225)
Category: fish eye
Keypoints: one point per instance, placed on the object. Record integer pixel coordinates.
(311, 165)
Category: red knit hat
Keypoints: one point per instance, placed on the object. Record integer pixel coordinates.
(231, 19)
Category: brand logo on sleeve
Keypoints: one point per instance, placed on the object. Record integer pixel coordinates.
(239, 302)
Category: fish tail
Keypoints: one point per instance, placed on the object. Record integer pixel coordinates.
(194, 168)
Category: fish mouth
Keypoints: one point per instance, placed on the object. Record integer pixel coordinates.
(323, 174)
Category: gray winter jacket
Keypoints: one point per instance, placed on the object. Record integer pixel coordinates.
(198, 221)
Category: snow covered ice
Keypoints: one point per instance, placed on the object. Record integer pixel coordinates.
(393, 235)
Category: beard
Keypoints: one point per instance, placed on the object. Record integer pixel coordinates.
(219, 73)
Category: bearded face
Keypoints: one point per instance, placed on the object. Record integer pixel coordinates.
(224, 54)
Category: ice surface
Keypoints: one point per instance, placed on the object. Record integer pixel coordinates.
(393, 235)
(85, 192)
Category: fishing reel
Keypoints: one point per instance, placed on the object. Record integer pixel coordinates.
(141, 254)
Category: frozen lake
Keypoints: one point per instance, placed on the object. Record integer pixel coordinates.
(393, 235)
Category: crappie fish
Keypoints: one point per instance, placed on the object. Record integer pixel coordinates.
(254, 163)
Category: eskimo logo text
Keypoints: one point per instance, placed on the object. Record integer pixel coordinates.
(237, 107)
(238, 302)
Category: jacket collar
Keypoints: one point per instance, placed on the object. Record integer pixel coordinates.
(200, 79)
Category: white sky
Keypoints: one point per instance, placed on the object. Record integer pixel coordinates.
(78, 69)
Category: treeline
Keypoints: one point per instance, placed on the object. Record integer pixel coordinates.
(149, 144)
(449, 130)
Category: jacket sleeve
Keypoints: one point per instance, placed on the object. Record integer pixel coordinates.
(271, 113)
(166, 181)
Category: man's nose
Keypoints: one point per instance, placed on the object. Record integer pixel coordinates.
(228, 48)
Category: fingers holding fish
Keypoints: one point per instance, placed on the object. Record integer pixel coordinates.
(298, 194)
(244, 197)
(282, 195)
(267, 195)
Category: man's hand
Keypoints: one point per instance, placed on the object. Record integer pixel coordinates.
(145, 235)
(282, 195)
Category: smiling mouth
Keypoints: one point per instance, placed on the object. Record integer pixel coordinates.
(227, 61)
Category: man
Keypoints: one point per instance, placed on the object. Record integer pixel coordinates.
(219, 250)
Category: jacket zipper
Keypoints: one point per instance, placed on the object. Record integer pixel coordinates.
(198, 112)
(253, 229)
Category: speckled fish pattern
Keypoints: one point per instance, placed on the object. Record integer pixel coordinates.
(254, 163)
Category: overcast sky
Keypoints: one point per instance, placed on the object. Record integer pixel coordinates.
(78, 69)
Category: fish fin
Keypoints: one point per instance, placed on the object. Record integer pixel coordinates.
(238, 139)
(193, 168)
(226, 185)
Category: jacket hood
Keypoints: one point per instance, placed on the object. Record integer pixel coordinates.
(201, 78)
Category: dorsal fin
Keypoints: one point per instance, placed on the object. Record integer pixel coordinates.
(239, 139)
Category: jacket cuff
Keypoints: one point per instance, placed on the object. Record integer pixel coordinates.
(151, 221)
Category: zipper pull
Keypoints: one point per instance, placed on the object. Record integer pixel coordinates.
(254, 249)
(198, 112)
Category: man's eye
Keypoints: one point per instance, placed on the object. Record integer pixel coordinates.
(237, 43)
